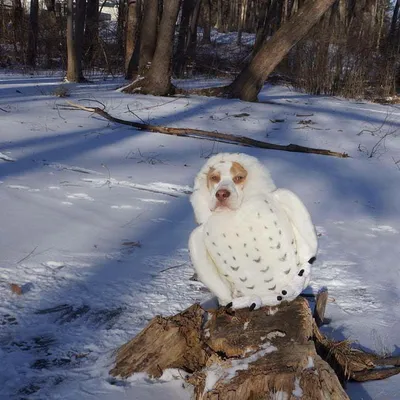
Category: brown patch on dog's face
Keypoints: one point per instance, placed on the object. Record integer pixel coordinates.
(213, 177)
(239, 174)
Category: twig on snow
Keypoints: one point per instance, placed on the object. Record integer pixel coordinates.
(201, 134)
(27, 256)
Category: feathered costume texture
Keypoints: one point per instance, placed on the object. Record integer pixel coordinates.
(258, 253)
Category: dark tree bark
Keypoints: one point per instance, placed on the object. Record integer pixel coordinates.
(187, 37)
(249, 82)
(75, 40)
(148, 35)
(33, 33)
(393, 26)
(131, 38)
(206, 16)
(242, 20)
(121, 27)
(262, 25)
(17, 18)
(91, 28)
(157, 80)
(221, 24)
(180, 53)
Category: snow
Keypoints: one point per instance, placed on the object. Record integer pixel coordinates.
(95, 222)
(310, 364)
(216, 372)
(297, 392)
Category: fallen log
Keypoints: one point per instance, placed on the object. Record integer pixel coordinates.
(243, 354)
(201, 134)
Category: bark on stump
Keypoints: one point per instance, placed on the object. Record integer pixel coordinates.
(243, 354)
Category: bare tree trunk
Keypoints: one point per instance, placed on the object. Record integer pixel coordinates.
(91, 28)
(250, 81)
(17, 25)
(33, 33)
(242, 20)
(192, 39)
(131, 40)
(75, 40)
(220, 24)
(148, 35)
(79, 34)
(262, 26)
(180, 57)
(393, 26)
(71, 49)
(121, 27)
(158, 79)
(206, 14)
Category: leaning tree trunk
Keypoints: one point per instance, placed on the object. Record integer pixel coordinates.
(249, 82)
(157, 81)
(148, 35)
(244, 355)
(33, 33)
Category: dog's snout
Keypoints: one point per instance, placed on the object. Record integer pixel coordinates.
(222, 194)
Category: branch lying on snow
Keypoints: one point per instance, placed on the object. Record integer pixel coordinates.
(216, 136)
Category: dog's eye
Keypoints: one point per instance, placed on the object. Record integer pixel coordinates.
(214, 178)
(238, 178)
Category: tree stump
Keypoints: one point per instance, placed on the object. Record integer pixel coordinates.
(248, 355)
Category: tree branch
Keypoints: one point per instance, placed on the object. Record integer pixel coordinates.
(201, 134)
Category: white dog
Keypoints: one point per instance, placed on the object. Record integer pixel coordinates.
(254, 244)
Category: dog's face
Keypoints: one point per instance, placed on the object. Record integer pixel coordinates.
(225, 182)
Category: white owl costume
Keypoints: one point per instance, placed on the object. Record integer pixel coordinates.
(258, 253)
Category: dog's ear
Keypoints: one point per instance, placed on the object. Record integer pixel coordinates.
(200, 198)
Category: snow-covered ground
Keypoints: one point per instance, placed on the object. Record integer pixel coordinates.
(95, 220)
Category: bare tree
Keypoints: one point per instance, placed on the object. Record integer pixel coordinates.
(33, 33)
(148, 34)
(157, 80)
(242, 20)
(187, 36)
(91, 28)
(132, 36)
(75, 33)
(249, 82)
(206, 19)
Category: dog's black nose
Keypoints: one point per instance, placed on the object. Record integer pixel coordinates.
(222, 194)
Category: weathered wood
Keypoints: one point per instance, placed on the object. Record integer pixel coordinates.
(265, 354)
(320, 305)
(235, 355)
(249, 355)
(166, 343)
(215, 136)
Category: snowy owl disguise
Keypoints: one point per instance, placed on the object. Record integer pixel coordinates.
(255, 243)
